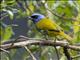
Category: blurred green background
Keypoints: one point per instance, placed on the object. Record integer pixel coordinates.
(14, 22)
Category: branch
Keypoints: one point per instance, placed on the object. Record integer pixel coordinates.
(27, 49)
(23, 41)
(67, 54)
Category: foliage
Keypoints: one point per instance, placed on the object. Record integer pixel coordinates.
(68, 17)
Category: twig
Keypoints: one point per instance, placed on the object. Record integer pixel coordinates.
(7, 52)
(67, 53)
(27, 49)
(56, 52)
(56, 48)
(3, 17)
(4, 50)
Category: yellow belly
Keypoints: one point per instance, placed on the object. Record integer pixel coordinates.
(46, 24)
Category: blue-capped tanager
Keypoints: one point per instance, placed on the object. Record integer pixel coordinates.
(46, 24)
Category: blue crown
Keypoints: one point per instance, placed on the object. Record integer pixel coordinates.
(37, 17)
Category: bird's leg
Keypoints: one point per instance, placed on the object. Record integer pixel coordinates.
(44, 33)
(60, 39)
(55, 38)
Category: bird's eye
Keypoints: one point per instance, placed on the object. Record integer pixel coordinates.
(34, 17)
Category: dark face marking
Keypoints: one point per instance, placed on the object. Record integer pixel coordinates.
(34, 17)
(37, 17)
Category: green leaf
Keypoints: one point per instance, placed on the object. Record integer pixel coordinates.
(50, 3)
(76, 24)
(10, 2)
(10, 13)
(7, 33)
(63, 58)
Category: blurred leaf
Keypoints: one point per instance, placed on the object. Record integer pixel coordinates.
(62, 58)
(10, 2)
(30, 8)
(21, 14)
(28, 12)
(77, 37)
(76, 24)
(4, 56)
(2, 4)
(7, 4)
(1, 31)
(50, 3)
(7, 33)
(43, 58)
(10, 13)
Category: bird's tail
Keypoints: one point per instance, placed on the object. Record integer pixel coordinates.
(67, 37)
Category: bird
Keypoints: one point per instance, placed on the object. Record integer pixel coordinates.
(49, 26)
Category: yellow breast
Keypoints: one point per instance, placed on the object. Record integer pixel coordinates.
(46, 24)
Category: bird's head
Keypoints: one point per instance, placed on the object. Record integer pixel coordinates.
(36, 17)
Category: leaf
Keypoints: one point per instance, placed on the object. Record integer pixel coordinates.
(50, 3)
(76, 24)
(62, 58)
(10, 2)
(76, 29)
(7, 33)
(30, 8)
(10, 13)
(77, 37)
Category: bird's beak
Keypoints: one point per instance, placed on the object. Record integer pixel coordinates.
(29, 17)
